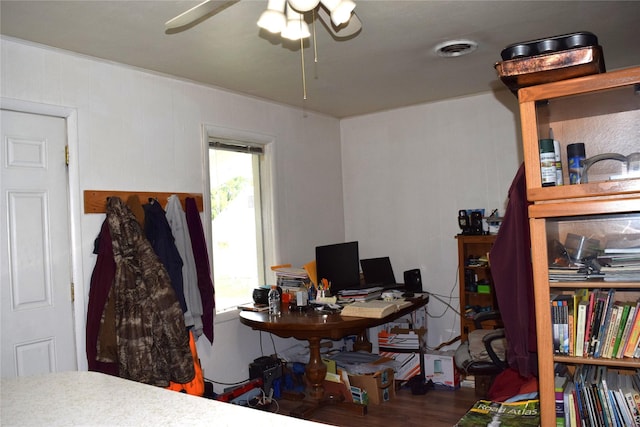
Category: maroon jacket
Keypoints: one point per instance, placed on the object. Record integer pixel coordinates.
(101, 281)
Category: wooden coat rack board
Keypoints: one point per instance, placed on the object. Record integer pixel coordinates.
(95, 201)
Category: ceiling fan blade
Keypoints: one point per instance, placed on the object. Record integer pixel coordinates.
(198, 13)
(349, 29)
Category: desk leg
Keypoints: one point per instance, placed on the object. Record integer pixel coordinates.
(316, 370)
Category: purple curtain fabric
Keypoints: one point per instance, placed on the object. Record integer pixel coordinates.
(203, 269)
(512, 273)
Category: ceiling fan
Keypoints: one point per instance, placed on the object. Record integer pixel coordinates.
(287, 17)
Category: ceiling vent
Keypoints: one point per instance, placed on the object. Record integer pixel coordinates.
(453, 48)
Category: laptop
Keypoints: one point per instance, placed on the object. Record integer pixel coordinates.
(378, 272)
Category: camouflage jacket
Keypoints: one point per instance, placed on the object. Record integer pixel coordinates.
(152, 340)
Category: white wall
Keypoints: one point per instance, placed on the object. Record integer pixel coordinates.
(404, 173)
(143, 132)
(407, 172)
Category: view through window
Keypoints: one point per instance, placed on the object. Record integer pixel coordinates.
(236, 221)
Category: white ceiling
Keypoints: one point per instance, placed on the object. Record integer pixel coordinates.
(389, 64)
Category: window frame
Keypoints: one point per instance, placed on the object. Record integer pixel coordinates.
(267, 190)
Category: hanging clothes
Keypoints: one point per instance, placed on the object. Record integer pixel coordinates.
(178, 223)
(133, 201)
(152, 340)
(203, 269)
(101, 283)
(195, 386)
(512, 274)
(158, 232)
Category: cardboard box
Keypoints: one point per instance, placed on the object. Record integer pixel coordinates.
(440, 367)
(379, 385)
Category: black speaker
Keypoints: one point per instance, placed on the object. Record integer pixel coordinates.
(413, 280)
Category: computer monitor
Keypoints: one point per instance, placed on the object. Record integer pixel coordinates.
(378, 271)
(340, 264)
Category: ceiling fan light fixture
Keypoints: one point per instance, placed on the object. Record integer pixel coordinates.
(303, 5)
(342, 12)
(273, 19)
(296, 28)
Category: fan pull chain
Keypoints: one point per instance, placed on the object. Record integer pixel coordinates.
(304, 79)
(315, 45)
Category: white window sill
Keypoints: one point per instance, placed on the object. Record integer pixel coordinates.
(227, 315)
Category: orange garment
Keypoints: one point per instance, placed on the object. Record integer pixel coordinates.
(196, 385)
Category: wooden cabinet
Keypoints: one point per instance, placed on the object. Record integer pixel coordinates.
(572, 224)
(475, 282)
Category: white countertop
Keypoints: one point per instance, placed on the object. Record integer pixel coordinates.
(91, 398)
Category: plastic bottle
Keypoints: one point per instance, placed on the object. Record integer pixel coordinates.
(274, 301)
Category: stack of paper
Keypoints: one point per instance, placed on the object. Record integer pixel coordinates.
(289, 277)
(360, 294)
(620, 264)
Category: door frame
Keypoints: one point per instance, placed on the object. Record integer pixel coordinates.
(75, 211)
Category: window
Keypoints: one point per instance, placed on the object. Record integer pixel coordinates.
(236, 172)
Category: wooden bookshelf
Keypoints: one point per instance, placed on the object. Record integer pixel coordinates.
(603, 112)
(474, 247)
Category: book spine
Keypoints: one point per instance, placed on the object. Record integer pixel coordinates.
(565, 327)
(632, 342)
(622, 330)
(636, 353)
(572, 334)
(606, 396)
(560, 414)
(555, 322)
(580, 327)
(604, 324)
(574, 414)
(626, 334)
(587, 326)
(612, 330)
(631, 405)
(595, 325)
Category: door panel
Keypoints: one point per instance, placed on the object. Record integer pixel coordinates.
(37, 307)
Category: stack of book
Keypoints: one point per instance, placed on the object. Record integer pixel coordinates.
(598, 396)
(596, 323)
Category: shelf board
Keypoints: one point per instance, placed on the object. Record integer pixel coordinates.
(622, 363)
(563, 192)
(594, 285)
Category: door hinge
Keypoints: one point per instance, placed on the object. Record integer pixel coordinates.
(66, 155)
(73, 293)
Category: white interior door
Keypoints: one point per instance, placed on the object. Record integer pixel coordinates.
(35, 269)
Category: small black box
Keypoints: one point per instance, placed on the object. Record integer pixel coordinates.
(413, 280)
(268, 368)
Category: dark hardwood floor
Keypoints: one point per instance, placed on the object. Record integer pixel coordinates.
(436, 408)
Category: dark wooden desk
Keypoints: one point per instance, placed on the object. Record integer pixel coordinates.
(313, 327)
